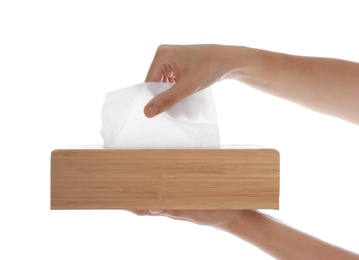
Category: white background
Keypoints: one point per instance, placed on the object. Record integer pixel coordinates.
(59, 58)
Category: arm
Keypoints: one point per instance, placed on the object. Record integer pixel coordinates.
(326, 85)
(273, 237)
(330, 86)
(282, 241)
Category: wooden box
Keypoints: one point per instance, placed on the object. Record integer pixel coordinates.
(133, 179)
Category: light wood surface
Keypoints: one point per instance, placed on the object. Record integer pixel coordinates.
(132, 179)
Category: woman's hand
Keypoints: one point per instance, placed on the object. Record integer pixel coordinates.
(221, 219)
(262, 231)
(191, 67)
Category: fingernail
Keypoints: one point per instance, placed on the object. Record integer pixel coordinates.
(152, 110)
(156, 211)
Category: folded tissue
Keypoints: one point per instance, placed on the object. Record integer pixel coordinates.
(190, 123)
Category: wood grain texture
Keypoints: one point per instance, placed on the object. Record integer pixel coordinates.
(164, 179)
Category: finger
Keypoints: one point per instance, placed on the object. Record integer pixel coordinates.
(155, 73)
(140, 212)
(193, 216)
(174, 214)
(146, 212)
(186, 215)
(160, 67)
(170, 78)
(166, 99)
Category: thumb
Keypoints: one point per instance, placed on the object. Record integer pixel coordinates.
(165, 100)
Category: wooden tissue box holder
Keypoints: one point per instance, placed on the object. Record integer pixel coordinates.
(134, 179)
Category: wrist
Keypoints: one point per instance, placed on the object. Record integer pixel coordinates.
(235, 60)
(234, 224)
(243, 223)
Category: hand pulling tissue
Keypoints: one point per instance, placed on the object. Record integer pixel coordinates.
(190, 123)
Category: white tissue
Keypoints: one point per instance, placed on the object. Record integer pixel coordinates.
(192, 122)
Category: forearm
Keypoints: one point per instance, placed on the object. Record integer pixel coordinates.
(329, 86)
(281, 241)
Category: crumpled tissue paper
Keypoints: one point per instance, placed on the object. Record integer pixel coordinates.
(192, 122)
